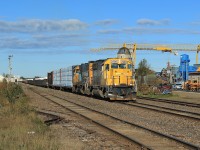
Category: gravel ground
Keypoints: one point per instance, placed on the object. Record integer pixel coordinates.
(185, 129)
(174, 106)
(74, 132)
(182, 99)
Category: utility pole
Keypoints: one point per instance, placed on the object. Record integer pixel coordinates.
(10, 67)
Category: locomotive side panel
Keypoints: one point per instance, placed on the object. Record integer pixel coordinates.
(97, 73)
(84, 73)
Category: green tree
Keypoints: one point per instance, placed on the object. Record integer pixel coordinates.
(143, 69)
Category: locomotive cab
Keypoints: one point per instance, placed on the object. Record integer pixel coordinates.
(118, 79)
(118, 73)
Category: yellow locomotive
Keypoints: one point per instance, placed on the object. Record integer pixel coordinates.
(110, 78)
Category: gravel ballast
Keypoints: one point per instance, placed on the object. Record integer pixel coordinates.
(75, 132)
(182, 128)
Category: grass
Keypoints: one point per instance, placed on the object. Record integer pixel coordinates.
(157, 95)
(148, 91)
(20, 128)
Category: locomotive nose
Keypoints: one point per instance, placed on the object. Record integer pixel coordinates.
(120, 78)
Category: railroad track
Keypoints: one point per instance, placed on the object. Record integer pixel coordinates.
(144, 137)
(188, 91)
(170, 101)
(55, 118)
(177, 112)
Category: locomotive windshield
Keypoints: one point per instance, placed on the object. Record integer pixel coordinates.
(122, 66)
(129, 66)
(116, 66)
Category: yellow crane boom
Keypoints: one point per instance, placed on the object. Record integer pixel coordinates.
(158, 47)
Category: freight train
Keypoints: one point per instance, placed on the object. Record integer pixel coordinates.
(110, 78)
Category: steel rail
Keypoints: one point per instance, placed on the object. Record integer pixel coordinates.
(129, 123)
(143, 146)
(181, 113)
(48, 122)
(170, 101)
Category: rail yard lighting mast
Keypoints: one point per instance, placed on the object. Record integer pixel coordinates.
(10, 67)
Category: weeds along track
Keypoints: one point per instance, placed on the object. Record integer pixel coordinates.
(171, 111)
(170, 101)
(144, 137)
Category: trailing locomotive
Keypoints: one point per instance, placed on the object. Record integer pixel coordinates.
(110, 78)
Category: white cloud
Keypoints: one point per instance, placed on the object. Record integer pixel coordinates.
(34, 34)
(44, 41)
(111, 31)
(106, 22)
(43, 34)
(145, 21)
(37, 25)
(140, 30)
(137, 30)
(196, 23)
(52, 51)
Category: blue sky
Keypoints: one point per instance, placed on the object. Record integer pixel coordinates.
(44, 35)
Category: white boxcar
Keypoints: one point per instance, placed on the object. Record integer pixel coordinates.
(63, 77)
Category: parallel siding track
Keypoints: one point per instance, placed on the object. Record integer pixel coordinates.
(177, 112)
(170, 101)
(144, 137)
